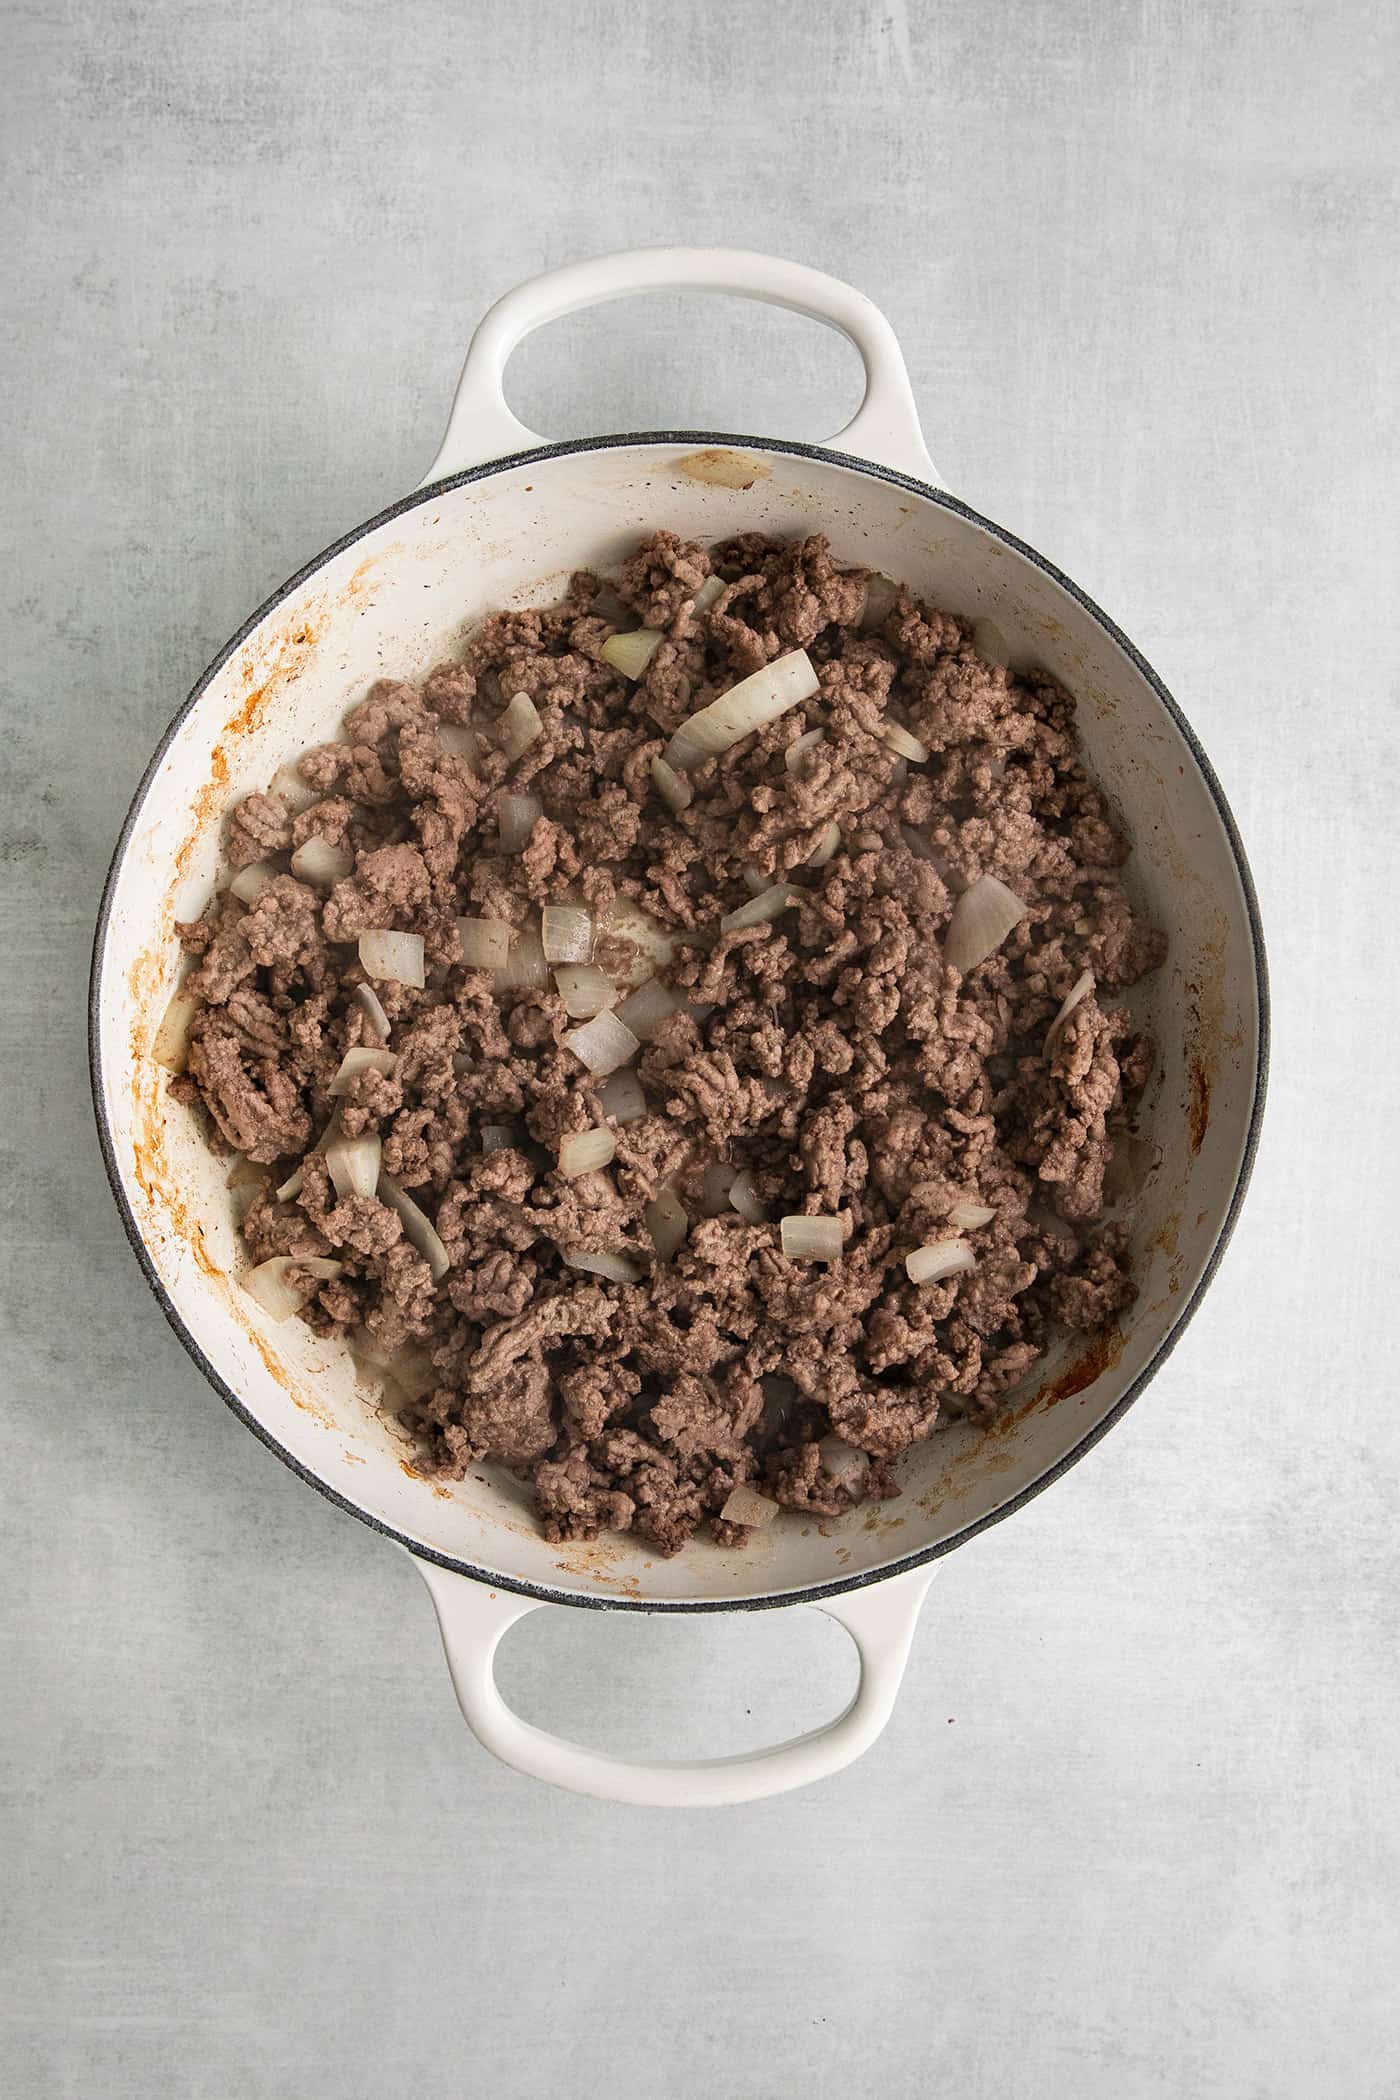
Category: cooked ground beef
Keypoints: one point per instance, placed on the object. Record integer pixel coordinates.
(832, 1054)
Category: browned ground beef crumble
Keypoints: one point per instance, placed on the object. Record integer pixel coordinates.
(833, 1053)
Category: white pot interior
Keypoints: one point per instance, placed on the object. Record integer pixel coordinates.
(396, 600)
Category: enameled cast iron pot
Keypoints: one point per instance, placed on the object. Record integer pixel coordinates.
(503, 518)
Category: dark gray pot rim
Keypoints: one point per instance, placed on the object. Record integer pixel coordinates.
(834, 1588)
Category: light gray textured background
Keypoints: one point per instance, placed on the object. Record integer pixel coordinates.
(1133, 1830)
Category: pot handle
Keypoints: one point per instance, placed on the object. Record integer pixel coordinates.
(885, 428)
(880, 1620)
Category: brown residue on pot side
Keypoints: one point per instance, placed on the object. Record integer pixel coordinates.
(1198, 1108)
(725, 470)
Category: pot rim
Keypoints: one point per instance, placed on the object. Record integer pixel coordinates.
(814, 1593)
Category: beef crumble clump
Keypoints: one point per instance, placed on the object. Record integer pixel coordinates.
(832, 1055)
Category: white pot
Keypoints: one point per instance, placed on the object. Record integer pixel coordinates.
(503, 518)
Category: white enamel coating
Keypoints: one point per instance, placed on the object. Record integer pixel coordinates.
(396, 598)
(885, 428)
(474, 1619)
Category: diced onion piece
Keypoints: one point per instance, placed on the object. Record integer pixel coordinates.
(990, 643)
(268, 1282)
(289, 787)
(604, 1044)
(172, 1040)
(567, 933)
(743, 1197)
(631, 653)
(676, 793)
(982, 918)
(616, 1267)
(516, 817)
(747, 1506)
(711, 589)
(969, 1216)
(754, 879)
(460, 739)
(367, 999)
(749, 705)
(418, 1228)
(499, 1137)
(881, 596)
(811, 1239)
(667, 1223)
(644, 1010)
(629, 921)
(518, 726)
(715, 1184)
(622, 1098)
(292, 1185)
(485, 943)
(846, 1466)
(795, 754)
(584, 990)
(356, 1061)
(353, 1164)
(768, 904)
(1083, 985)
(321, 864)
(524, 969)
(250, 882)
(828, 844)
(394, 958)
(940, 1258)
(905, 743)
(584, 1151)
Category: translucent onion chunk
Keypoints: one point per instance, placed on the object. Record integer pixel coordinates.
(768, 904)
(749, 705)
(846, 1465)
(418, 1228)
(631, 653)
(485, 943)
(604, 1044)
(516, 817)
(655, 947)
(250, 882)
(644, 1010)
(567, 933)
(743, 1197)
(711, 589)
(353, 1164)
(172, 1039)
(356, 1061)
(367, 999)
(584, 1151)
(905, 743)
(746, 1506)
(827, 846)
(676, 793)
(1078, 993)
(617, 1268)
(394, 958)
(321, 864)
(268, 1283)
(930, 1264)
(969, 1216)
(519, 726)
(982, 918)
(622, 1098)
(584, 990)
(667, 1223)
(524, 969)
(812, 1239)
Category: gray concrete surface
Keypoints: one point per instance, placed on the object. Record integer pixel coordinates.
(1132, 1834)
